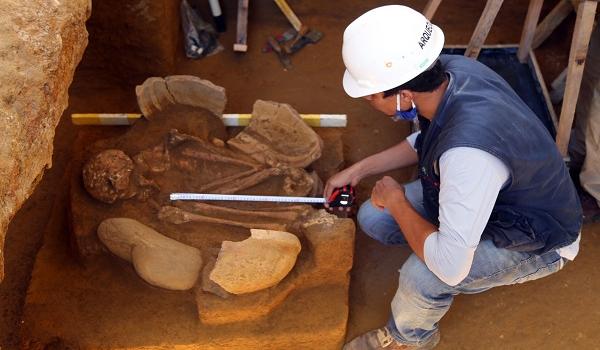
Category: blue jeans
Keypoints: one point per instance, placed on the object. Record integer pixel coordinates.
(422, 299)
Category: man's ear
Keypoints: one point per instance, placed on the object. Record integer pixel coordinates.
(406, 95)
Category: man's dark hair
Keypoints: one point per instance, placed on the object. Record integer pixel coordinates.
(427, 81)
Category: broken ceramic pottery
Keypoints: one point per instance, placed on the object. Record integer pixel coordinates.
(159, 260)
(277, 135)
(157, 94)
(256, 263)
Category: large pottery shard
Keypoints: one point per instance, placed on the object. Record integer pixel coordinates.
(326, 258)
(278, 135)
(41, 43)
(157, 94)
(159, 260)
(256, 263)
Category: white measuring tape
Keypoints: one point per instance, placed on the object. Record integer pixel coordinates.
(243, 198)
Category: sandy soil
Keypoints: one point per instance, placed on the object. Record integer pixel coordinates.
(554, 313)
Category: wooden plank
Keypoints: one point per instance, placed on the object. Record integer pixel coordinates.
(550, 22)
(289, 14)
(431, 8)
(483, 27)
(540, 78)
(241, 43)
(579, 47)
(531, 20)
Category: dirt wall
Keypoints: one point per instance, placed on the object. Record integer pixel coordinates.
(41, 43)
(133, 39)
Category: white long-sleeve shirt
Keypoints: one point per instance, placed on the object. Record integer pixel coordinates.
(470, 180)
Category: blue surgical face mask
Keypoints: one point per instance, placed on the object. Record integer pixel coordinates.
(410, 114)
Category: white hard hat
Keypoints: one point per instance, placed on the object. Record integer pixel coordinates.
(387, 47)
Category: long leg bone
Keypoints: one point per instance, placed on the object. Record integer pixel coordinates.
(214, 210)
(177, 216)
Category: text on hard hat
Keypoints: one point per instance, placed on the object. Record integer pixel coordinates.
(426, 35)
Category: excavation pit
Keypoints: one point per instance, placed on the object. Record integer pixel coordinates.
(106, 301)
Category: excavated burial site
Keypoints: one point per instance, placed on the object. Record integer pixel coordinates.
(182, 146)
(110, 293)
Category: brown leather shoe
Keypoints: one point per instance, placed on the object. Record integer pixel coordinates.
(381, 339)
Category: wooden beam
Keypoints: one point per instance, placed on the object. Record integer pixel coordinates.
(483, 27)
(431, 8)
(531, 20)
(241, 38)
(540, 78)
(579, 47)
(551, 21)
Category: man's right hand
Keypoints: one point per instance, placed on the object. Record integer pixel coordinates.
(398, 156)
(348, 176)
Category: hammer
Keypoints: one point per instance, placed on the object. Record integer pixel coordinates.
(303, 36)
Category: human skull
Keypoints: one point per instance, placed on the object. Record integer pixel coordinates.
(106, 176)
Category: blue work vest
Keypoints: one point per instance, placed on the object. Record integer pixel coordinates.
(538, 209)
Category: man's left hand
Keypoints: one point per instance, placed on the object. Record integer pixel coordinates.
(385, 191)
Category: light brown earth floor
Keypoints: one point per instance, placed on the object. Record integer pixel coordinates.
(558, 312)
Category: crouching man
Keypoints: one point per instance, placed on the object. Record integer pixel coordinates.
(494, 204)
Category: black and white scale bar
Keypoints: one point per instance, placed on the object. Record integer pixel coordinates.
(243, 198)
